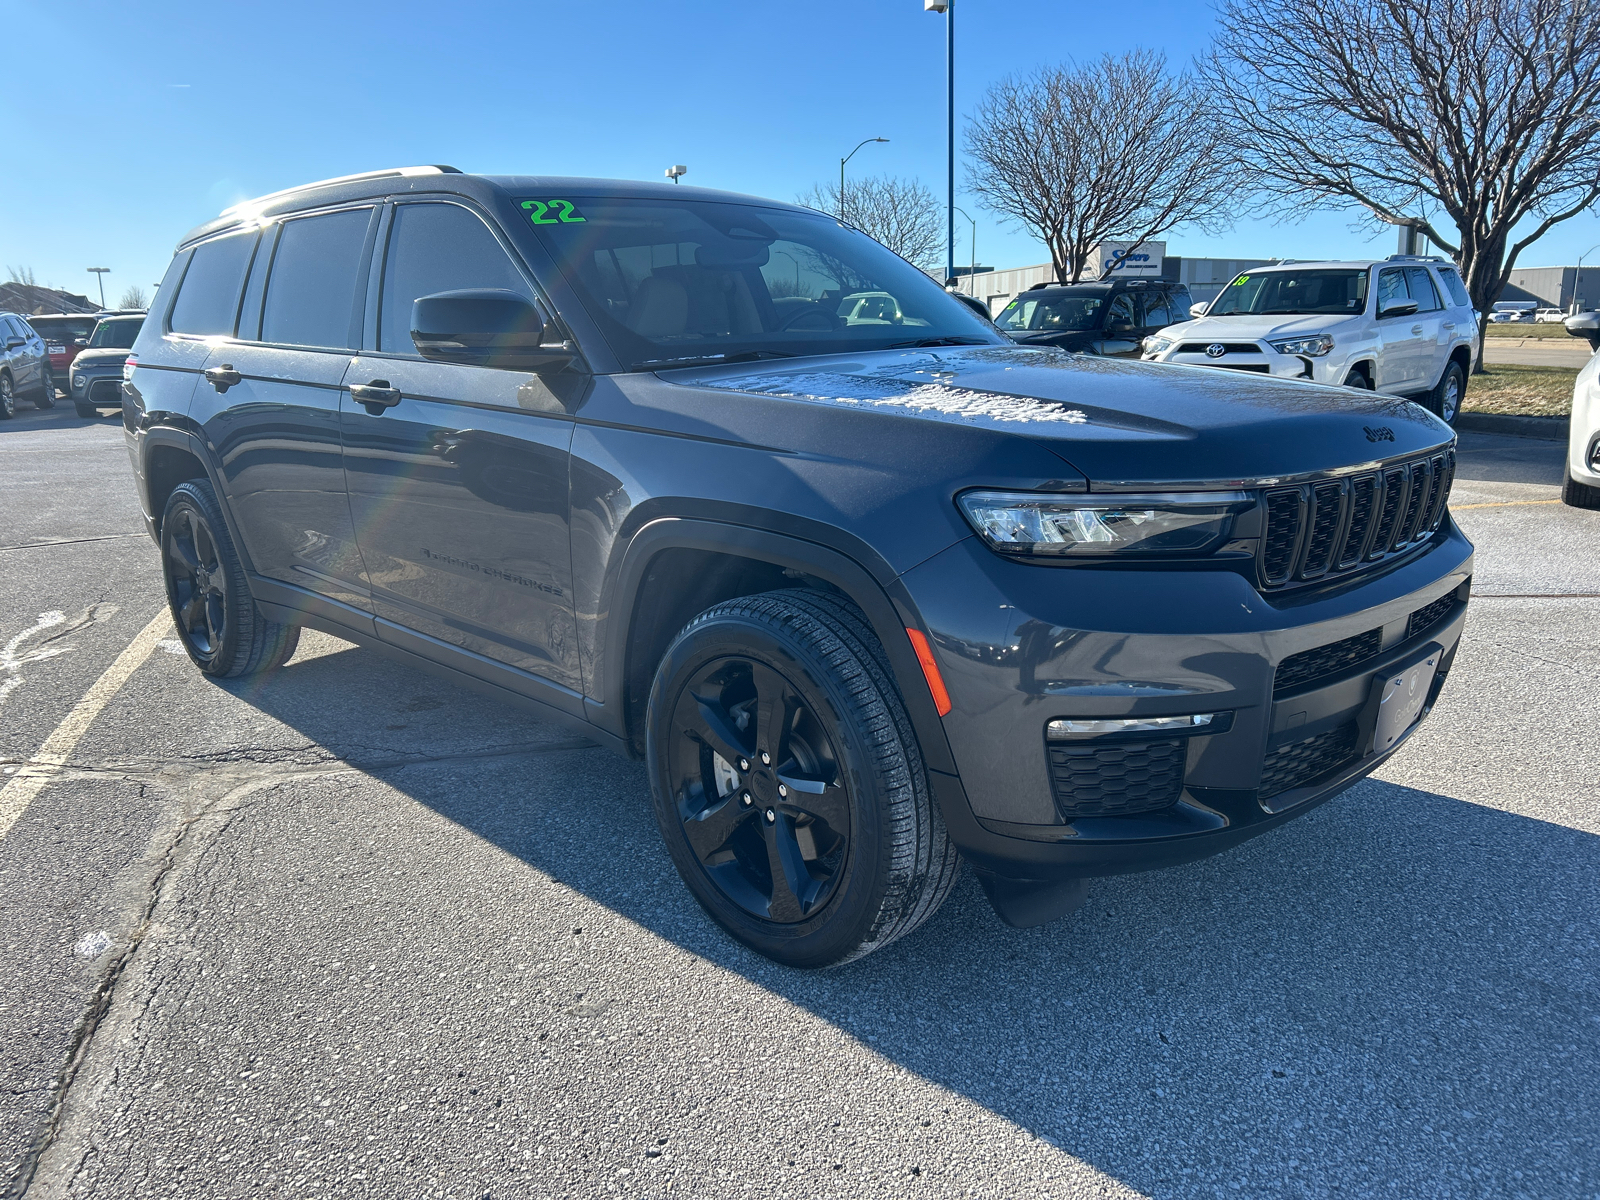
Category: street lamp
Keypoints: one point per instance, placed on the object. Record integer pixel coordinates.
(796, 263)
(842, 162)
(1577, 277)
(973, 269)
(677, 173)
(948, 8)
(100, 277)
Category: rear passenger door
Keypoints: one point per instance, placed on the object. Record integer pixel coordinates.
(270, 407)
(459, 486)
(1400, 366)
(1433, 345)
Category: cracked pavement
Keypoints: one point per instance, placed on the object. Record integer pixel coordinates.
(353, 931)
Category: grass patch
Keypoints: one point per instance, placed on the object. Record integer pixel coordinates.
(1521, 391)
(1518, 330)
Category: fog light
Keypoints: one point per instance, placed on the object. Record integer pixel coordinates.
(79, 383)
(1068, 727)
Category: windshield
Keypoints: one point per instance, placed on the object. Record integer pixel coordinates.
(1058, 312)
(678, 281)
(1293, 292)
(116, 334)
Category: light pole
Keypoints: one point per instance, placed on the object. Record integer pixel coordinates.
(948, 8)
(796, 263)
(1577, 277)
(100, 276)
(972, 271)
(677, 173)
(842, 162)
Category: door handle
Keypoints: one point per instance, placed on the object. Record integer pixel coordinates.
(222, 378)
(375, 396)
(1448, 325)
(1416, 329)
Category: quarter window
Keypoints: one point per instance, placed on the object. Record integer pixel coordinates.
(208, 298)
(437, 248)
(311, 292)
(1454, 286)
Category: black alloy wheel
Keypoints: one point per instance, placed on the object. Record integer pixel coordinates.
(8, 397)
(218, 623)
(46, 397)
(758, 789)
(788, 783)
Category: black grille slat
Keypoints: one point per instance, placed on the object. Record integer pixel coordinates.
(1115, 779)
(1283, 534)
(1304, 762)
(1421, 484)
(1323, 661)
(1327, 509)
(1442, 498)
(1429, 615)
(1394, 486)
(1362, 491)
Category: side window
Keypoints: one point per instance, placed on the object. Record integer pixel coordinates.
(1392, 287)
(208, 297)
(1181, 303)
(1453, 284)
(1156, 311)
(437, 248)
(311, 292)
(1121, 311)
(1422, 289)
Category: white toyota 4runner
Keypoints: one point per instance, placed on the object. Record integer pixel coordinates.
(1403, 324)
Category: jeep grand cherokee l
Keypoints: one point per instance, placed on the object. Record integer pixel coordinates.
(868, 595)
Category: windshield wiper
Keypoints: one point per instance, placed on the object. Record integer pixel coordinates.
(960, 340)
(706, 360)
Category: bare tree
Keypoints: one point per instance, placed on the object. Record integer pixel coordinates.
(134, 297)
(1478, 118)
(900, 213)
(1079, 155)
(22, 275)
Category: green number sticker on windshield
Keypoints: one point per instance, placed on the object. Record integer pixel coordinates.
(1240, 282)
(539, 212)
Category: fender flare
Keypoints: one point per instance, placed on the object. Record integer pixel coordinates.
(176, 437)
(887, 607)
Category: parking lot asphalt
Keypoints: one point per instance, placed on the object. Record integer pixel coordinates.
(351, 931)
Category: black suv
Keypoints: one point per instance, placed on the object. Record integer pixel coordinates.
(868, 593)
(1110, 318)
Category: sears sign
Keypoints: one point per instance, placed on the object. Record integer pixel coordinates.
(1121, 259)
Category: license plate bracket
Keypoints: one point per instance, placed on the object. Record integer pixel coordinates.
(1402, 693)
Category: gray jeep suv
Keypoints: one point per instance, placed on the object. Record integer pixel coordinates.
(870, 588)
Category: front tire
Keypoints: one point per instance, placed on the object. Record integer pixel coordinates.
(8, 398)
(46, 397)
(1445, 401)
(1357, 378)
(216, 617)
(1579, 495)
(87, 411)
(788, 784)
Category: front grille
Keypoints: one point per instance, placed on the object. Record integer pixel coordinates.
(1115, 779)
(106, 391)
(1426, 617)
(1322, 661)
(1227, 347)
(1302, 763)
(1321, 530)
(1259, 368)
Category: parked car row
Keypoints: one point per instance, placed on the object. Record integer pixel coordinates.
(86, 350)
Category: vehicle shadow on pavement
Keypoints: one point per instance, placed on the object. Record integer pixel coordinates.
(1394, 994)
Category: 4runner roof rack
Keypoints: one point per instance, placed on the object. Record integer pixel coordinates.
(1415, 258)
(391, 173)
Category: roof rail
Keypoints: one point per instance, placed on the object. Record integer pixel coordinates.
(391, 173)
(1415, 258)
(1286, 262)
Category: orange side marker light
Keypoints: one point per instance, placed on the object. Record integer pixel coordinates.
(930, 670)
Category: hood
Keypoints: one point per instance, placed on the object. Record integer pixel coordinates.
(1080, 339)
(1120, 423)
(100, 357)
(1259, 328)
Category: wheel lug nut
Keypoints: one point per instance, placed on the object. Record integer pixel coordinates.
(744, 799)
(782, 791)
(744, 764)
(766, 759)
(771, 816)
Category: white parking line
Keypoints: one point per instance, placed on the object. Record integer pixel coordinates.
(29, 781)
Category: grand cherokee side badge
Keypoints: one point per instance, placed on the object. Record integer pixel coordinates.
(1381, 434)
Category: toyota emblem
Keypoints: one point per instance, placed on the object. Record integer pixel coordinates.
(1216, 350)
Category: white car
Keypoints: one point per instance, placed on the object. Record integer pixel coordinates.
(1581, 488)
(1403, 325)
(1547, 316)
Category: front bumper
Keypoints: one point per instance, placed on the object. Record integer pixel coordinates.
(1254, 357)
(1021, 645)
(102, 389)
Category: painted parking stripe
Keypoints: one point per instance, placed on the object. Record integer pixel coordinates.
(1501, 504)
(29, 781)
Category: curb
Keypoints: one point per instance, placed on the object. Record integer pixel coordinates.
(1553, 429)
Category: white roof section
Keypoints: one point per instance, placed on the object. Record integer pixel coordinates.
(390, 173)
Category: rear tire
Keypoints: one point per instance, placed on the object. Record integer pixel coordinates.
(8, 398)
(853, 853)
(208, 594)
(1445, 400)
(46, 397)
(1579, 495)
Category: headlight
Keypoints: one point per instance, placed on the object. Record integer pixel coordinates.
(1027, 524)
(1311, 347)
(1155, 344)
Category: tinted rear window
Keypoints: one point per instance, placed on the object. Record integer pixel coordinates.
(58, 329)
(208, 298)
(311, 292)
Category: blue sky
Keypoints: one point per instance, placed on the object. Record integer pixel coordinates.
(150, 117)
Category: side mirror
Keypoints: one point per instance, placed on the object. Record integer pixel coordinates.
(1586, 326)
(80, 343)
(484, 327)
(1398, 308)
(13, 342)
(1196, 311)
